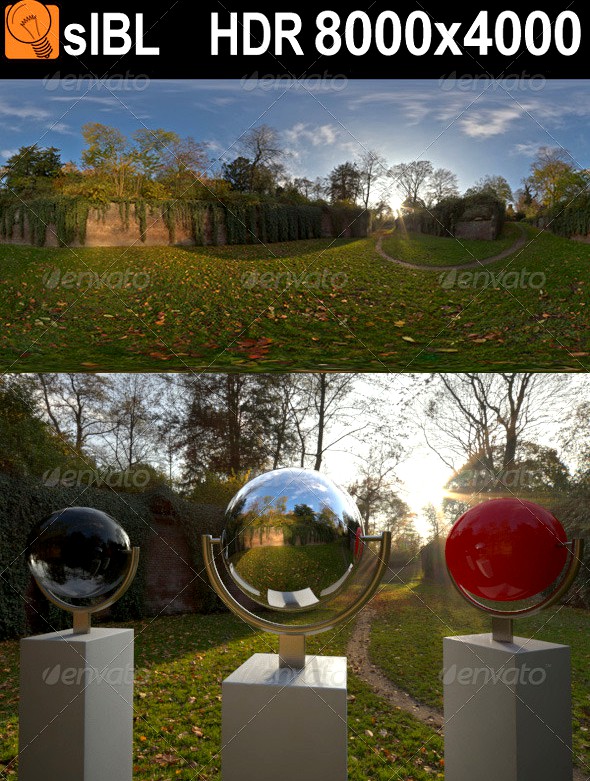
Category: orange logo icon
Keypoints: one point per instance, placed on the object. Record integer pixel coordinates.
(31, 31)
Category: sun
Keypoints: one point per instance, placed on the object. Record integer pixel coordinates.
(395, 203)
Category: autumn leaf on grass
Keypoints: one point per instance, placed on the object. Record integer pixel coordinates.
(161, 318)
(166, 759)
(160, 356)
(408, 339)
(255, 348)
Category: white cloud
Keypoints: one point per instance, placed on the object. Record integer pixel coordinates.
(487, 123)
(317, 135)
(61, 127)
(22, 111)
(526, 149)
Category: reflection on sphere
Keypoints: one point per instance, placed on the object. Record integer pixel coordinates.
(290, 540)
(79, 554)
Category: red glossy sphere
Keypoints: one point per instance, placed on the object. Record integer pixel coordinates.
(506, 549)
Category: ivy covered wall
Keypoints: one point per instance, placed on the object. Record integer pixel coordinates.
(26, 501)
(74, 221)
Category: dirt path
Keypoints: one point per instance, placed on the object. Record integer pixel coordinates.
(360, 663)
(358, 657)
(518, 244)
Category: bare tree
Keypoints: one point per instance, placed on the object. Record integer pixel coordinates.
(376, 484)
(262, 147)
(410, 179)
(76, 406)
(484, 417)
(372, 167)
(133, 409)
(442, 184)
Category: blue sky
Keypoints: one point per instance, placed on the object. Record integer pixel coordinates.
(321, 124)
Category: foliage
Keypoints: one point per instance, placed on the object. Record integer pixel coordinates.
(347, 220)
(570, 220)
(218, 489)
(28, 446)
(496, 186)
(344, 183)
(442, 219)
(240, 220)
(65, 216)
(32, 171)
(554, 178)
(26, 501)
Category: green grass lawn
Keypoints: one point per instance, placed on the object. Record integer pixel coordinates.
(228, 308)
(445, 251)
(180, 664)
(406, 643)
(291, 568)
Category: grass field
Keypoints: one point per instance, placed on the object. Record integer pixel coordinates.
(434, 251)
(291, 568)
(180, 663)
(305, 305)
(418, 616)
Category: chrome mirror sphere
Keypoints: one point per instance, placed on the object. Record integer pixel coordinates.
(82, 561)
(293, 544)
(289, 539)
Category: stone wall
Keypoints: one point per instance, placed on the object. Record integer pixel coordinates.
(172, 584)
(110, 227)
(486, 230)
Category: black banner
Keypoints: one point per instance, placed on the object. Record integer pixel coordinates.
(383, 40)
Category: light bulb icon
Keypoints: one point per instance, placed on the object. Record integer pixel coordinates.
(30, 22)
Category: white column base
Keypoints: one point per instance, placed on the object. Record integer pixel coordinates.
(507, 710)
(280, 724)
(76, 706)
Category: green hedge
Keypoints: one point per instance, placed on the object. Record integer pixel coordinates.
(442, 219)
(235, 222)
(68, 215)
(572, 220)
(25, 501)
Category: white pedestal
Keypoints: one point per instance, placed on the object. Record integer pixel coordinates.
(76, 706)
(280, 724)
(507, 710)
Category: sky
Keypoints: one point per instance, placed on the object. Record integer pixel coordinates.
(475, 127)
(421, 473)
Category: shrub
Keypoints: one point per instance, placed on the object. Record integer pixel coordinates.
(25, 501)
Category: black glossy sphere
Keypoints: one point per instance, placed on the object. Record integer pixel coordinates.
(79, 554)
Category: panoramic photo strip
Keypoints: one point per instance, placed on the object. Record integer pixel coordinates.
(281, 224)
